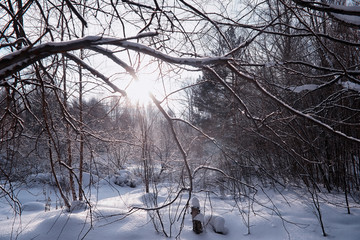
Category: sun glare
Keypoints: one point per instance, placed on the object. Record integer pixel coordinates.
(139, 91)
(147, 72)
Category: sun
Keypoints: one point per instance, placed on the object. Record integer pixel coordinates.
(147, 82)
(139, 91)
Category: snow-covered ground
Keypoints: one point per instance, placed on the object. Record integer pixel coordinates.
(110, 221)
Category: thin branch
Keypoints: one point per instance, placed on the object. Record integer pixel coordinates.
(73, 9)
(290, 108)
(95, 73)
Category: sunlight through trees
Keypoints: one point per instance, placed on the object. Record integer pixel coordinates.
(221, 97)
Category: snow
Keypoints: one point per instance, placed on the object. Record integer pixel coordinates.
(351, 85)
(354, 9)
(305, 87)
(347, 19)
(33, 207)
(353, 18)
(348, 85)
(217, 223)
(270, 64)
(293, 218)
(124, 178)
(195, 202)
(199, 217)
(19, 60)
(195, 62)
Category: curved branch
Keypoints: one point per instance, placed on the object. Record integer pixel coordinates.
(329, 8)
(19, 60)
(290, 108)
(95, 72)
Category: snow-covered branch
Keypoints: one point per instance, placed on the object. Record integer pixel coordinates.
(195, 62)
(290, 108)
(327, 7)
(18, 60)
(347, 14)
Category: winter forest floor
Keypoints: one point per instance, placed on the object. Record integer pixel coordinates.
(276, 214)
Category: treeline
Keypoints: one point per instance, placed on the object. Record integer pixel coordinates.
(41, 132)
(263, 130)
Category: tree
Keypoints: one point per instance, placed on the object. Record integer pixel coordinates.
(278, 72)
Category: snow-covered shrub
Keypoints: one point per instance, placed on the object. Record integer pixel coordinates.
(45, 178)
(125, 178)
(48, 178)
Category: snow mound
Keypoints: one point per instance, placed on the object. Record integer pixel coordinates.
(218, 224)
(195, 202)
(78, 206)
(148, 198)
(89, 179)
(48, 178)
(199, 217)
(41, 178)
(125, 178)
(33, 207)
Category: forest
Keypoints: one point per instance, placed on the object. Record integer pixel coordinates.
(179, 99)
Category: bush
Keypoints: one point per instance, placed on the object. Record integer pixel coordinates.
(125, 178)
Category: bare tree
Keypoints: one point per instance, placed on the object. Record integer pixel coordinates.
(288, 80)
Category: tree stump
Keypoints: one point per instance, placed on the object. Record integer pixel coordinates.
(197, 217)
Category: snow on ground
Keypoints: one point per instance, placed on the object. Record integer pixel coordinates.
(111, 203)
